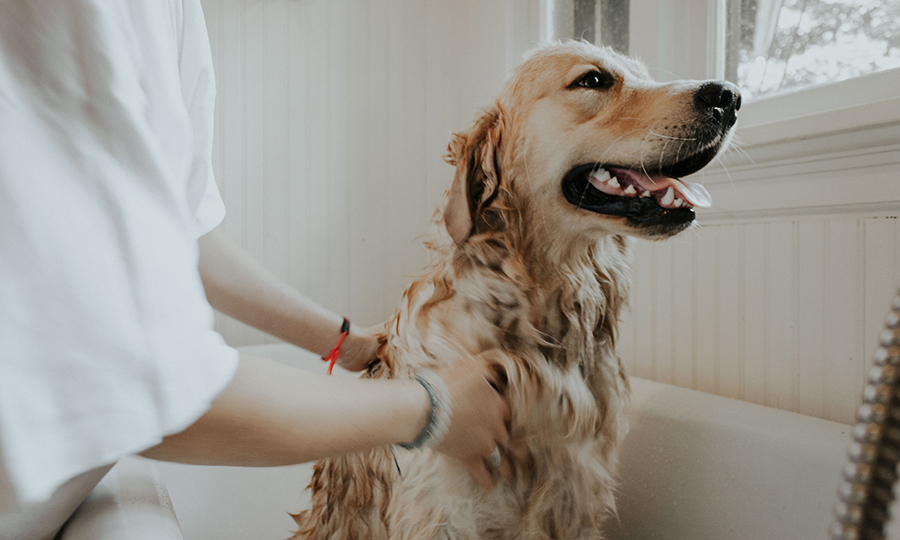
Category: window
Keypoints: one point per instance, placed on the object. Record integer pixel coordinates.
(597, 21)
(773, 46)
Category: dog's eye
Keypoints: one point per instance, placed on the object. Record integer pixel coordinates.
(595, 79)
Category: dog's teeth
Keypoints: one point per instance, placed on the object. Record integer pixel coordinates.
(645, 194)
(601, 175)
(614, 182)
(678, 203)
(630, 190)
(669, 197)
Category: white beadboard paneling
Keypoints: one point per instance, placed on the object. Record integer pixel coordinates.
(407, 216)
(254, 118)
(754, 313)
(812, 244)
(227, 54)
(684, 314)
(275, 137)
(780, 350)
(330, 149)
(882, 275)
(786, 313)
(299, 237)
(367, 67)
(642, 311)
(844, 282)
(707, 327)
(662, 316)
(331, 123)
(728, 335)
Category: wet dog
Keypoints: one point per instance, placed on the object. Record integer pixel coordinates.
(581, 151)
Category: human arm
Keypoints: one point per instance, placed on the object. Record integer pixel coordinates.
(272, 414)
(298, 416)
(241, 288)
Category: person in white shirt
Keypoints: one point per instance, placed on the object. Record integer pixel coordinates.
(110, 268)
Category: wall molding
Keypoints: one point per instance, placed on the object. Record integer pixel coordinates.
(850, 172)
(886, 210)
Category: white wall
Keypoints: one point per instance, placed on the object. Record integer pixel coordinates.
(332, 119)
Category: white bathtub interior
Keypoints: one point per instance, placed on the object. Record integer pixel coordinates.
(694, 466)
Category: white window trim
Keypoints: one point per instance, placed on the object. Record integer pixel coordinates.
(852, 105)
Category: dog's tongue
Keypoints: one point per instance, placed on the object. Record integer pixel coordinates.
(693, 193)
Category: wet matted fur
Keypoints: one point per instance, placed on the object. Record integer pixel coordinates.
(531, 273)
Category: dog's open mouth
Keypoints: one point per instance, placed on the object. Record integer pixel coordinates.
(646, 199)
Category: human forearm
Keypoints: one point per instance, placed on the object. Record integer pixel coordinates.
(241, 288)
(273, 414)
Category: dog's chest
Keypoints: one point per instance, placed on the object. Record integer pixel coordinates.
(476, 316)
(556, 414)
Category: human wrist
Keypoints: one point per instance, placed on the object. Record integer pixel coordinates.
(333, 355)
(414, 409)
(353, 344)
(437, 421)
(360, 347)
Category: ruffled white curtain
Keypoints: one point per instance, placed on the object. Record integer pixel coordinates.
(765, 24)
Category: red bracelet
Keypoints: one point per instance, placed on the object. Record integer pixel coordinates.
(335, 352)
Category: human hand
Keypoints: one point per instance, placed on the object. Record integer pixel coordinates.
(478, 427)
(359, 347)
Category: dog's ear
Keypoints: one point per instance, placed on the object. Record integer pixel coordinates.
(476, 183)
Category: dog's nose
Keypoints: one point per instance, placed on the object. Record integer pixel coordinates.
(720, 98)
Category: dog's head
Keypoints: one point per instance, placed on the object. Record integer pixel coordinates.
(583, 140)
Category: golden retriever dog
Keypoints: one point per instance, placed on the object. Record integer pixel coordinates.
(581, 151)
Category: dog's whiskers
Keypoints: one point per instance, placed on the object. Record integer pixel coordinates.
(734, 143)
(662, 152)
(643, 141)
(678, 153)
(694, 228)
(721, 160)
(613, 144)
(660, 135)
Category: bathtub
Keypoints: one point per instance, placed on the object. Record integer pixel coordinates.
(694, 466)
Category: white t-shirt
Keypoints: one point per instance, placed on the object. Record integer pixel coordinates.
(106, 337)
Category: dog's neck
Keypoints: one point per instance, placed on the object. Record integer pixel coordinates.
(574, 290)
